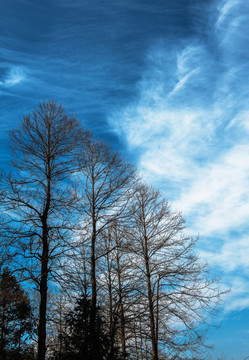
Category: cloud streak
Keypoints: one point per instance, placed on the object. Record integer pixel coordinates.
(190, 126)
(13, 76)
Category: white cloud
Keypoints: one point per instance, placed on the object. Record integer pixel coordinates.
(15, 75)
(190, 125)
(183, 80)
(233, 255)
(222, 189)
(238, 299)
(225, 9)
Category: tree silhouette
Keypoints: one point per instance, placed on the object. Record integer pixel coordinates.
(78, 341)
(15, 317)
(35, 195)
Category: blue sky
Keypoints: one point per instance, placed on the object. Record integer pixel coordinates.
(167, 83)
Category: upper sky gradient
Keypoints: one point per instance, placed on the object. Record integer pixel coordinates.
(166, 82)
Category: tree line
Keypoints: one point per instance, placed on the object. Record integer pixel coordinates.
(106, 267)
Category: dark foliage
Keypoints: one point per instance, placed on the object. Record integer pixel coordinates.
(79, 340)
(15, 318)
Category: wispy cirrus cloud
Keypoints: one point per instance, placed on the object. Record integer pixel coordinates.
(238, 299)
(218, 197)
(190, 127)
(13, 76)
(230, 256)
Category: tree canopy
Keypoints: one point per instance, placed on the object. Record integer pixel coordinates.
(80, 225)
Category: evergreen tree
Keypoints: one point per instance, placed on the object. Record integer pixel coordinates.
(15, 317)
(78, 341)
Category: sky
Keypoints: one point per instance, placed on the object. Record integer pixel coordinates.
(165, 82)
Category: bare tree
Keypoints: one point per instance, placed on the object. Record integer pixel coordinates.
(105, 181)
(120, 289)
(36, 195)
(108, 290)
(179, 294)
(130, 254)
(58, 306)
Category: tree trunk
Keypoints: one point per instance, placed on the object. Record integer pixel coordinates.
(149, 292)
(150, 300)
(136, 342)
(93, 260)
(157, 308)
(43, 303)
(111, 317)
(121, 309)
(44, 267)
(93, 321)
(93, 279)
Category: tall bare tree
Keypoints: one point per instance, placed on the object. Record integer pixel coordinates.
(36, 195)
(105, 181)
(119, 288)
(179, 293)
